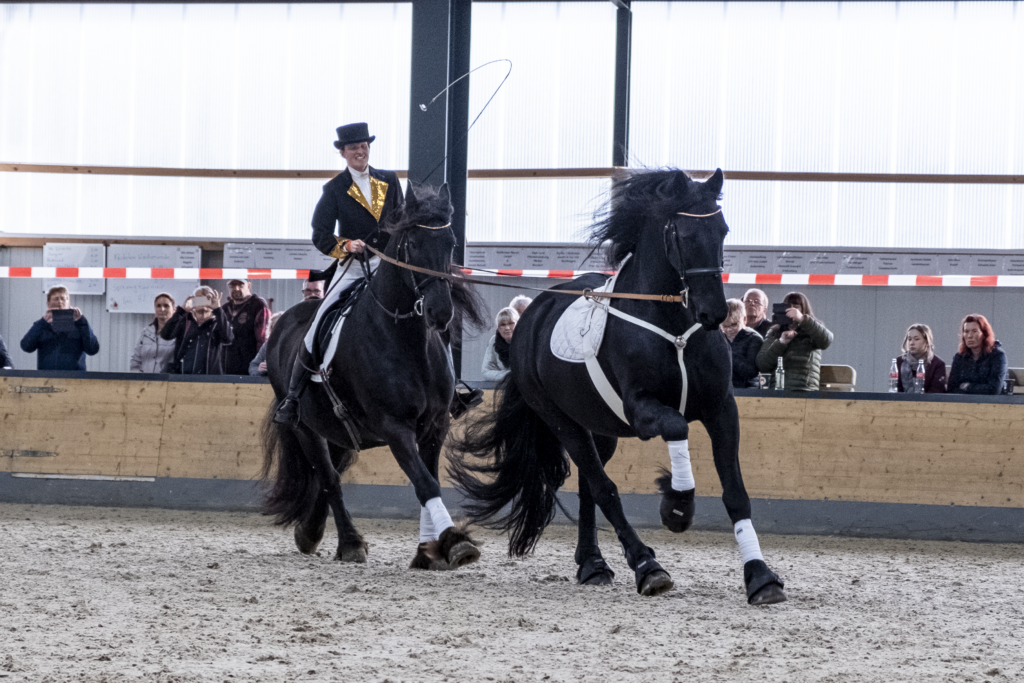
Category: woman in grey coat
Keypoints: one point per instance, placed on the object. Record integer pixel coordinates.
(152, 354)
(496, 366)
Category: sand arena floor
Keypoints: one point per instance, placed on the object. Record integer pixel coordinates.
(104, 594)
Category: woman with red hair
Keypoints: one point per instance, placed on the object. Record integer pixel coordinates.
(980, 367)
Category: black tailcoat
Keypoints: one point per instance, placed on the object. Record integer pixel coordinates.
(357, 217)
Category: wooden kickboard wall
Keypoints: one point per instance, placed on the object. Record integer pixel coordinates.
(803, 449)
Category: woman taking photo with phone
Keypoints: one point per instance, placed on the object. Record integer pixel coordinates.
(980, 366)
(200, 330)
(798, 338)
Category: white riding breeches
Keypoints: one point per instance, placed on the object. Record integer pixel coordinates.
(345, 276)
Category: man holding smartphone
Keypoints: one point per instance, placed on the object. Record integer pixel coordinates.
(62, 336)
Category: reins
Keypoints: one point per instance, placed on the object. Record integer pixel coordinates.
(667, 298)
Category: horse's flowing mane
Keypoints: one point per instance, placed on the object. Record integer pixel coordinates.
(643, 196)
(434, 209)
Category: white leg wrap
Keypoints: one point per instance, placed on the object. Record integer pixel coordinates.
(426, 526)
(746, 537)
(682, 473)
(439, 515)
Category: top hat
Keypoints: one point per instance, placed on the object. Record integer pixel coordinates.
(353, 133)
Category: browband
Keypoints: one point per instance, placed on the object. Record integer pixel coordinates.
(431, 227)
(699, 215)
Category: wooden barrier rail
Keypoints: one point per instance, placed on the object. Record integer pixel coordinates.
(523, 174)
(910, 452)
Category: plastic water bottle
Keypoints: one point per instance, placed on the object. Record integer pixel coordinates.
(894, 378)
(919, 377)
(780, 376)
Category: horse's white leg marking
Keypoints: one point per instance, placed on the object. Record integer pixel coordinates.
(746, 537)
(682, 473)
(439, 515)
(426, 526)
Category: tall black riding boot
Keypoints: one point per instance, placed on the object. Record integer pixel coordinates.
(464, 399)
(288, 412)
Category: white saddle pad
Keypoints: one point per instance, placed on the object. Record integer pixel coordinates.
(580, 329)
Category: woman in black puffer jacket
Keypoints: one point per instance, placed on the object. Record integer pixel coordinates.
(744, 344)
(980, 367)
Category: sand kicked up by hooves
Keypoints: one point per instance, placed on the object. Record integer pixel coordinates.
(109, 594)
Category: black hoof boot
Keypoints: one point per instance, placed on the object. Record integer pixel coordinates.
(677, 507)
(651, 579)
(764, 587)
(595, 572)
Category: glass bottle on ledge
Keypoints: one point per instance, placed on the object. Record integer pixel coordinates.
(780, 376)
(919, 378)
(894, 378)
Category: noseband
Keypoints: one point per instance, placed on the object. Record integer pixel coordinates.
(417, 286)
(672, 235)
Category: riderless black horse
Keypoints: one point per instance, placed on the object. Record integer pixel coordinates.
(674, 230)
(390, 382)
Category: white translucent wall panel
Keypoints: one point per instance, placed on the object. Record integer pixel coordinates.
(555, 111)
(533, 210)
(867, 87)
(251, 86)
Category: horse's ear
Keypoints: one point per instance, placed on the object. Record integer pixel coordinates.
(410, 197)
(444, 195)
(713, 185)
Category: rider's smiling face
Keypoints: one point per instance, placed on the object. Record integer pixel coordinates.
(357, 155)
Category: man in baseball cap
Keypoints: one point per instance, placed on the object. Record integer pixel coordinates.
(248, 316)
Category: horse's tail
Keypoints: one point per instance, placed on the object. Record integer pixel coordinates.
(509, 457)
(292, 493)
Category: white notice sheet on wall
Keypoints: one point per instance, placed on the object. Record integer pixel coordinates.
(136, 296)
(74, 255)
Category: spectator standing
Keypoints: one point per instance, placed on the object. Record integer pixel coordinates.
(258, 366)
(496, 361)
(756, 303)
(152, 352)
(201, 331)
(5, 358)
(60, 350)
(310, 290)
(918, 345)
(799, 345)
(248, 315)
(519, 303)
(744, 344)
(980, 366)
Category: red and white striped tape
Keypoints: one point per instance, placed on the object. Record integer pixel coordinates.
(731, 278)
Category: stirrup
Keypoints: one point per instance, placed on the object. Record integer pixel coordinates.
(468, 396)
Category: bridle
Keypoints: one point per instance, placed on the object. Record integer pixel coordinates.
(417, 285)
(671, 237)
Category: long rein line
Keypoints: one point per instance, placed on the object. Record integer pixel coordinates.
(667, 298)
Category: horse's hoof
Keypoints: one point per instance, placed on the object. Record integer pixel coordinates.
(594, 571)
(602, 578)
(463, 553)
(427, 558)
(656, 582)
(306, 544)
(677, 507)
(357, 554)
(769, 595)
